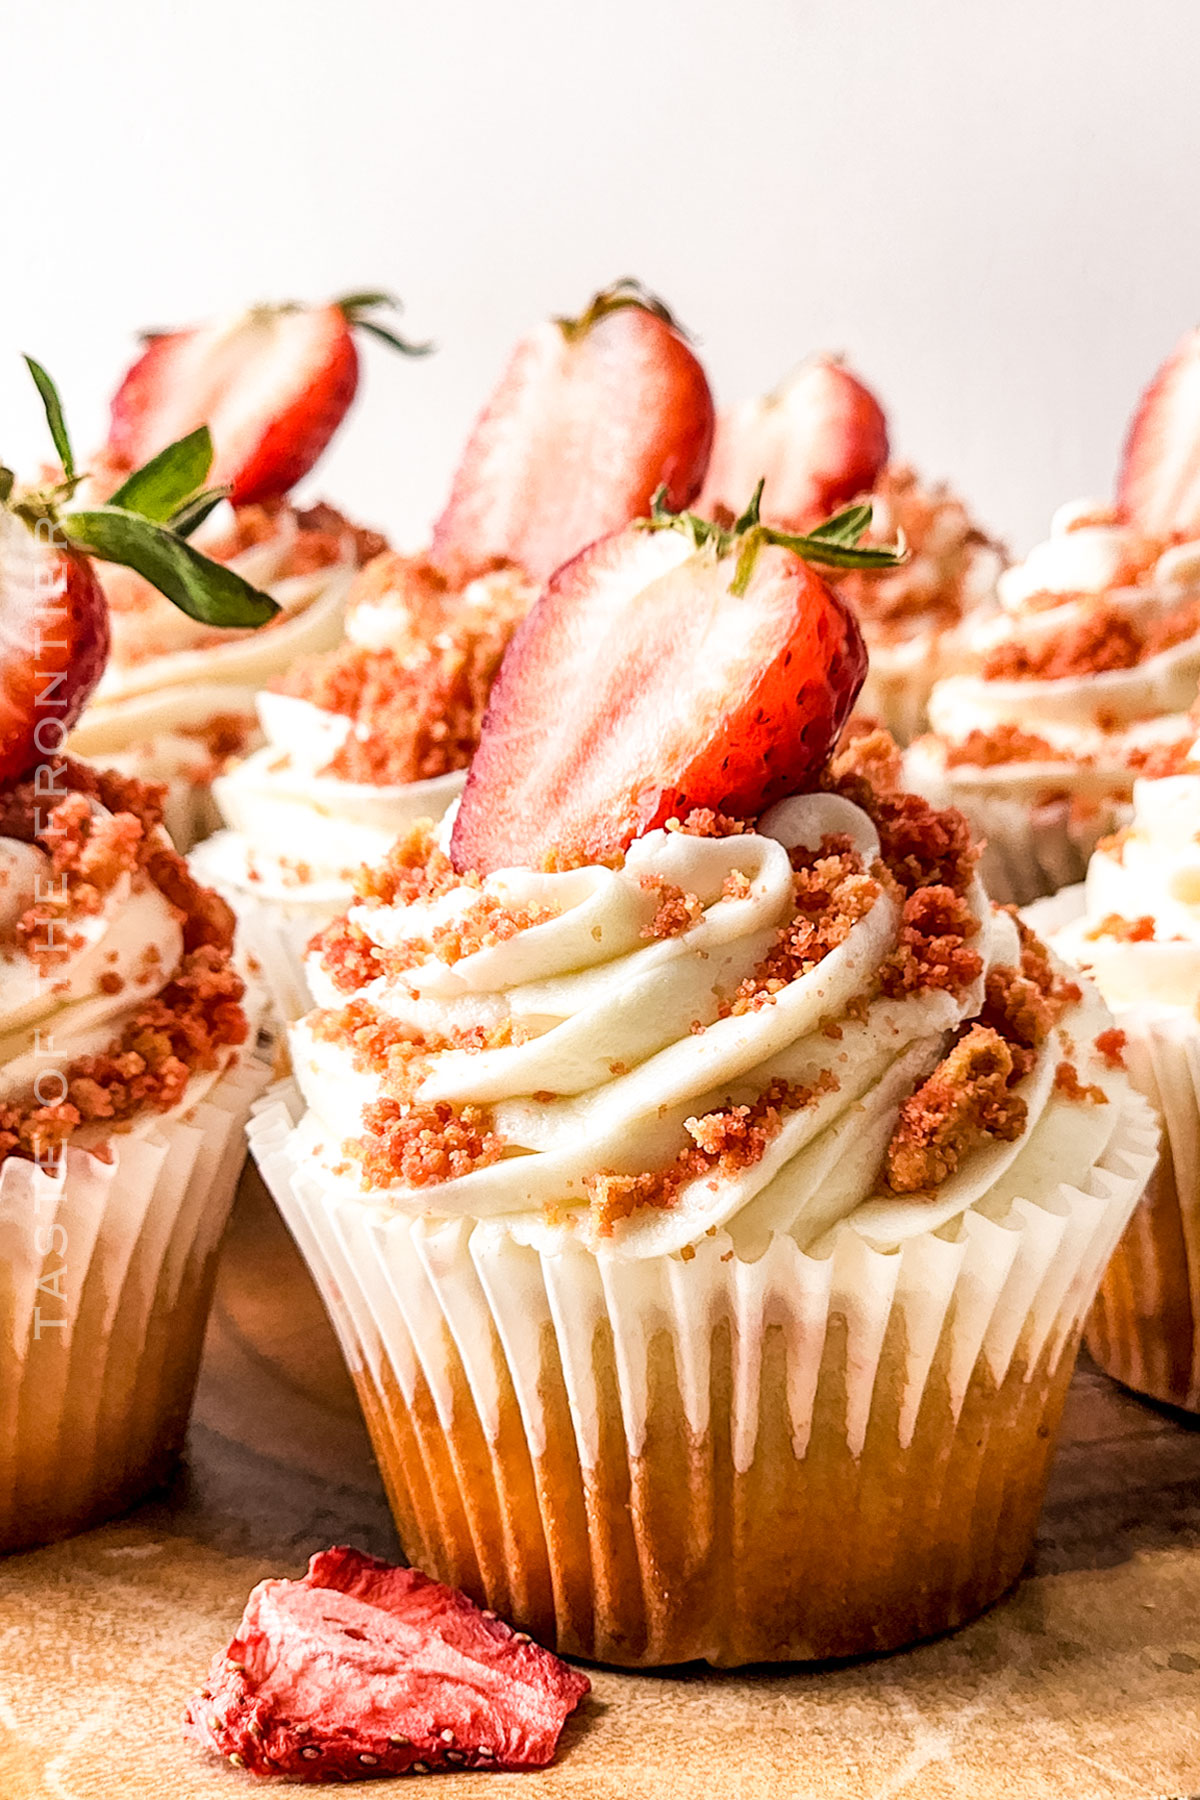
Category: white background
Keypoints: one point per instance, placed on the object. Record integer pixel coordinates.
(992, 208)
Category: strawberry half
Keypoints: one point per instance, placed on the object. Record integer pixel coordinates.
(53, 643)
(670, 666)
(592, 416)
(1158, 488)
(819, 440)
(54, 633)
(273, 384)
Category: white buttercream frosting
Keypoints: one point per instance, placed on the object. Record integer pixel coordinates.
(298, 830)
(87, 975)
(1097, 726)
(609, 1040)
(1138, 932)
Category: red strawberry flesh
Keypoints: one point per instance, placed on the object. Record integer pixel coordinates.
(820, 440)
(273, 384)
(641, 687)
(588, 421)
(366, 1669)
(53, 643)
(1158, 488)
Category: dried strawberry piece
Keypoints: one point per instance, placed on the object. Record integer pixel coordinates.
(365, 1669)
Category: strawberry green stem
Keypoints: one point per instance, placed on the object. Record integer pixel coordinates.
(626, 292)
(833, 544)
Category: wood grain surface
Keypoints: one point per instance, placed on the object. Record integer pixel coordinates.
(1083, 1684)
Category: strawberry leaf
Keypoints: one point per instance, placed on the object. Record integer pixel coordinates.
(355, 307)
(842, 552)
(54, 416)
(192, 515)
(205, 590)
(845, 527)
(160, 487)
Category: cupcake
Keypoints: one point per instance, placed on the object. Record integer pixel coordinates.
(590, 418)
(361, 742)
(1083, 683)
(178, 696)
(821, 441)
(708, 1185)
(1134, 927)
(126, 1061)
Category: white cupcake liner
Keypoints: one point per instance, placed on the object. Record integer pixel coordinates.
(107, 1276)
(1032, 851)
(273, 935)
(898, 694)
(655, 1461)
(1145, 1327)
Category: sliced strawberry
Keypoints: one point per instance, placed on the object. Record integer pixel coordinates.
(54, 630)
(53, 644)
(1158, 488)
(819, 440)
(660, 671)
(592, 416)
(273, 384)
(366, 1669)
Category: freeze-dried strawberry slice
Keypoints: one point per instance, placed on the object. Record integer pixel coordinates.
(591, 416)
(818, 441)
(365, 1669)
(675, 665)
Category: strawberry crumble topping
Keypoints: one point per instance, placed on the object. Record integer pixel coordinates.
(1002, 744)
(1066, 1081)
(1105, 639)
(934, 585)
(195, 1018)
(724, 1143)
(1125, 931)
(418, 703)
(677, 910)
(965, 1103)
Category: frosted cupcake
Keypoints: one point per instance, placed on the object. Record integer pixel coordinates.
(126, 1072)
(360, 743)
(177, 701)
(127, 1078)
(821, 441)
(708, 1211)
(1135, 928)
(1081, 686)
(590, 418)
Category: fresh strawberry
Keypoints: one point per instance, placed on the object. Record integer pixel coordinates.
(819, 440)
(54, 633)
(362, 1668)
(53, 643)
(671, 666)
(1158, 488)
(592, 416)
(273, 384)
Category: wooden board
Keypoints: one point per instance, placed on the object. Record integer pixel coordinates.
(1084, 1684)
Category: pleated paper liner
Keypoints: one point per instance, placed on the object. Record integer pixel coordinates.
(273, 936)
(896, 691)
(107, 1272)
(1032, 851)
(653, 1462)
(1144, 1329)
